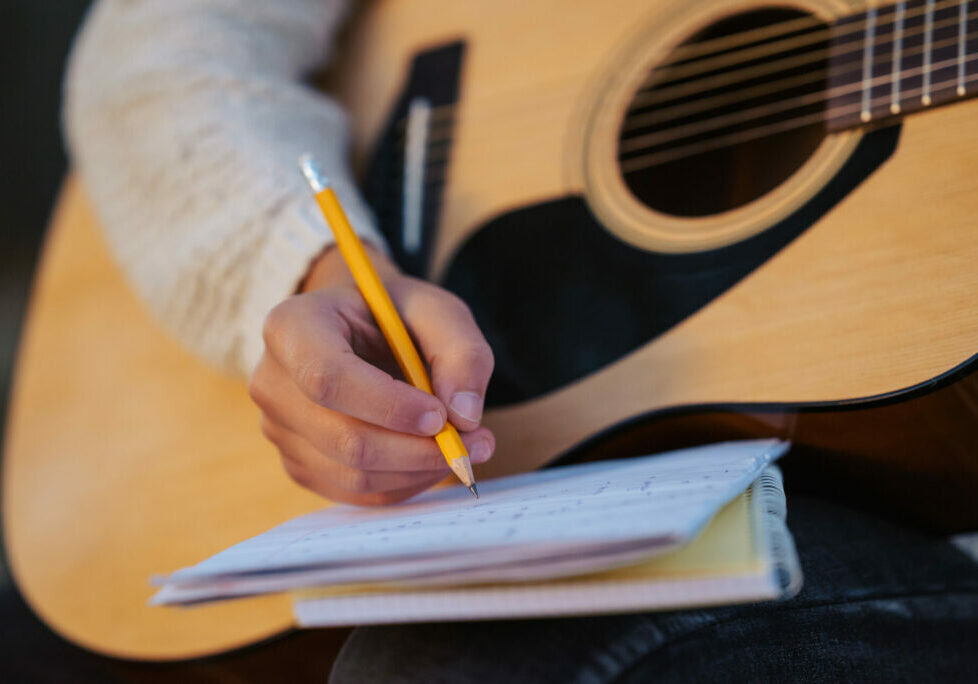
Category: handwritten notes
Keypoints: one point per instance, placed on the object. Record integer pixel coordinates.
(552, 522)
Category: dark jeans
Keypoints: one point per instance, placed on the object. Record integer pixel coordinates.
(880, 603)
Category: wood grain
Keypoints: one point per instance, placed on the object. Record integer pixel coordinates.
(126, 457)
(534, 77)
(877, 297)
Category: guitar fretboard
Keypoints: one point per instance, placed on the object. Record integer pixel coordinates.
(901, 58)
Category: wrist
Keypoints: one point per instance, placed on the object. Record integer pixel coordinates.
(330, 270)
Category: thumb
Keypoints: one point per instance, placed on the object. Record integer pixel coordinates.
(457, 352)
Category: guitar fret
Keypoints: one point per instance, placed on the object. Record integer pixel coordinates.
(962, 41)
(928, 50)
(897, 57)
(945, 53)
(868, 42)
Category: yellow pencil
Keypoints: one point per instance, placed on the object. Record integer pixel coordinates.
(385, 314)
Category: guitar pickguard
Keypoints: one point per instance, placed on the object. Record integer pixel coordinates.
(434, 75)
(558, 296)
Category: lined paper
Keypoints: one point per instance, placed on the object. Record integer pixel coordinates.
(563, 520)
(726, 563)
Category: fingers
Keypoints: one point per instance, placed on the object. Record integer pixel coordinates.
(349, 441)
(460, 358)
(337, 481)
(309, 335)
(348, 429)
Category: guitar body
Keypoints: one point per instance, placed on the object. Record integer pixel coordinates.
(844, 279)
(875, 297)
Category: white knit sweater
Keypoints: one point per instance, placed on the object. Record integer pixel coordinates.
(185, 119)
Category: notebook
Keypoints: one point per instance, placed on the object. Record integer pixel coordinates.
(595, 537)
(745, 554)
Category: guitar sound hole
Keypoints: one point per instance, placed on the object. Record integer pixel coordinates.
(729, 115)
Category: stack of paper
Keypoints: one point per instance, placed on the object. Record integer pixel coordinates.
(538, 526)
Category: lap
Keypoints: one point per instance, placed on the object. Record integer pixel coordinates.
(880, 602)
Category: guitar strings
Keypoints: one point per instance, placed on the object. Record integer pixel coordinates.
(708, 83)
(438, 144)
(667, 135)
(692, 149)
(442, 115)
(442, 112)
(750, 73)
(658, 159)
(646, 119)
(637, 121)
(660, 138)
(721, 61)
(440, 133)
(563, 100)
(691, 50)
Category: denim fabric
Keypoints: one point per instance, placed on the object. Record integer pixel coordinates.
(880, 603)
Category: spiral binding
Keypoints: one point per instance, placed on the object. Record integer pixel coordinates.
(771, 514)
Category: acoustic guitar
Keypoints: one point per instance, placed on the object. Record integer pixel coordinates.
(674, 220)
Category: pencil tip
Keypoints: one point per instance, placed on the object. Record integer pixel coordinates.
(473, 489)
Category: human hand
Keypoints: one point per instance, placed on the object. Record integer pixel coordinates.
(332, 398)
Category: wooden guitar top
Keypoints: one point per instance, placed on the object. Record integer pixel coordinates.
(126, 457)
(153, 474)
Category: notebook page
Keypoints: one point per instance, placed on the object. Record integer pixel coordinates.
(733, 544)
(441, 570)
(725, 545)
(724, 564)
(664, 499)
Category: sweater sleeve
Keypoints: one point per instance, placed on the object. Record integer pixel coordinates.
(185, 120)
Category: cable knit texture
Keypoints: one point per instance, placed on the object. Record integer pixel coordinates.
(185, 119)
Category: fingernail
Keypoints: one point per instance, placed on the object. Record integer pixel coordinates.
(431, 422)
(480, 452)
(468, 405)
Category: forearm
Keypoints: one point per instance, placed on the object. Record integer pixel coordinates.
(185, 119)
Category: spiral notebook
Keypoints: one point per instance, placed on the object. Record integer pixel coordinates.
(693, 527)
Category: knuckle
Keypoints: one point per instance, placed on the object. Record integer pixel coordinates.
(268, 428)
(296, 473)
(274, 324)
(477, 354)
(390, 414)
(431, 458)
(322, 385)
(256, 390)
(390, 409)
(271, 430)
(483, 351)
(352, 449)
(429, 294)
(455, 303)
(358, 481)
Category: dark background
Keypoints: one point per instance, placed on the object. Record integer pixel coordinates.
(34, 39)
(35, 36)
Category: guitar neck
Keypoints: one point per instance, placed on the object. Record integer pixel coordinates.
(901, 58)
